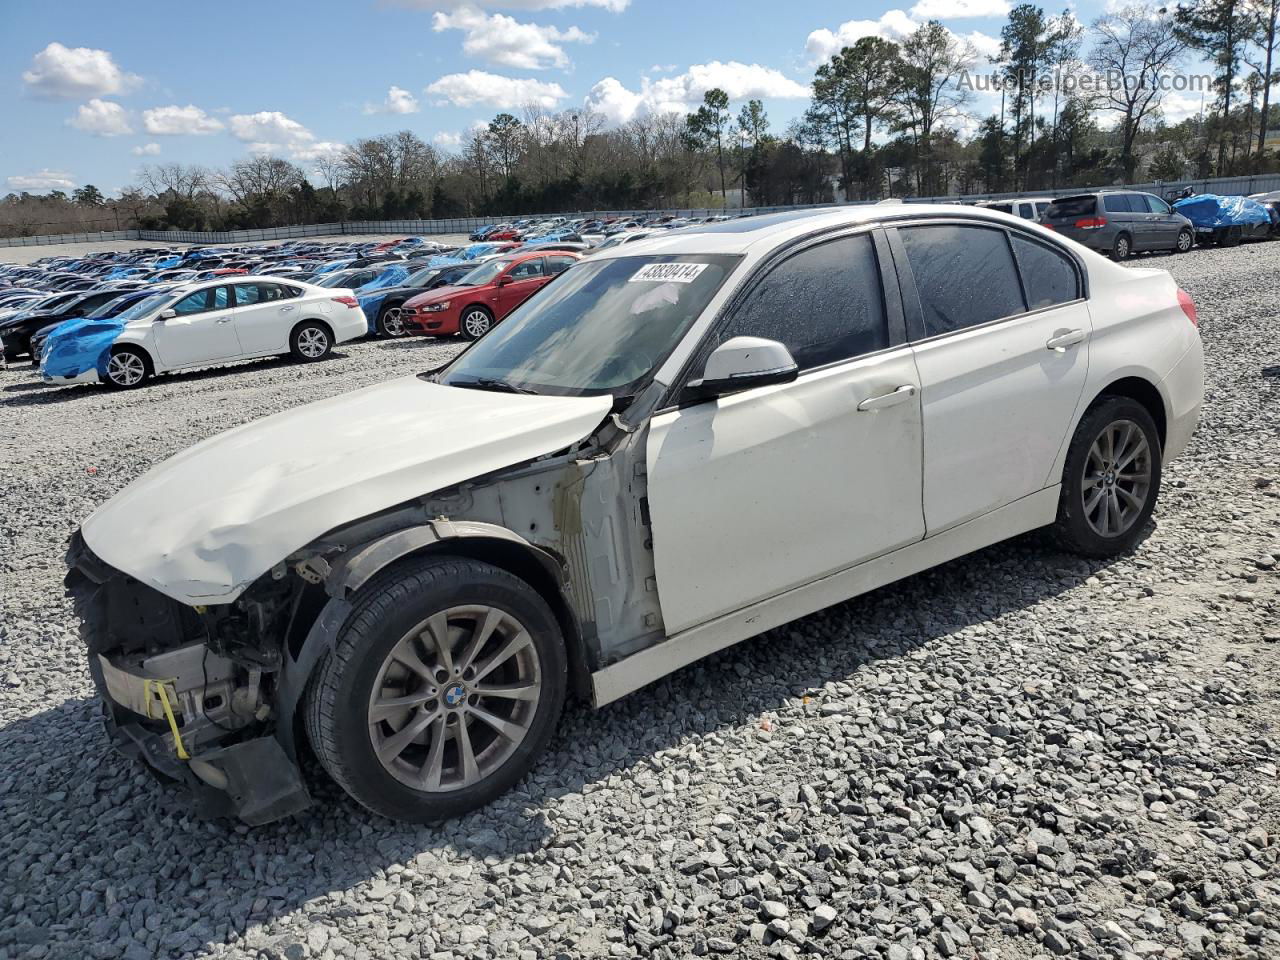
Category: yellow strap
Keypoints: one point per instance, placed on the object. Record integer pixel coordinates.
(161, 689)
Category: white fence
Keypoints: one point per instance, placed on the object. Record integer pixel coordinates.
(1259, 183)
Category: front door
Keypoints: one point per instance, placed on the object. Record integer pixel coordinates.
(523, 281)
(200, 331)
(753, 494)
(1001, 371)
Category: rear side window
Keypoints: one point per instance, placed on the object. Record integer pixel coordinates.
(1121, 203)
(824, 303)
(965, 276)
(1073, 207)
(559, 264)
(1048, 276)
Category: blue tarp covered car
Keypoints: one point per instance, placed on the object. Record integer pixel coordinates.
(1225, 220)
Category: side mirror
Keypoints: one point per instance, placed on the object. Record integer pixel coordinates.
(167, 314)
(743, 363)
(504, 280)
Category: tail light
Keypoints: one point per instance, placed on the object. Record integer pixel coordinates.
(1091, 223)
(346, 301)
(1188, 306)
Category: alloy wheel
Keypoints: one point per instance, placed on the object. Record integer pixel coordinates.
(392, 325)
(312, 342)
(476, 323)
(126, 369)
(1122, 248)
(1184, 242)
(455, 698)
(1117, 478)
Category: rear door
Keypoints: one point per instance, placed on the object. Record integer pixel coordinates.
(265, 315)
(1000, 331)
(201, 330)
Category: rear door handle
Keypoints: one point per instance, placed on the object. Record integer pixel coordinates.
(901, 395)
(1061, 341)
(224, 319)
(286, 308)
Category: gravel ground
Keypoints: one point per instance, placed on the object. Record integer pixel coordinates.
(1020, 754)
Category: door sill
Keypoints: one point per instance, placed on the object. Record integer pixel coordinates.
(642, 668)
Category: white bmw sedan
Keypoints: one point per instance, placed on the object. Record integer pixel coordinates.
(201, 325)
(677, 444)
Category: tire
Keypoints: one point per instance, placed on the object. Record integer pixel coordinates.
(389, 324)
(475, 322)
(1086, 524)
(1186, 240)
(310, 341)
(127, 368)
(1232, 237)
(1121, 247)
(400, 611)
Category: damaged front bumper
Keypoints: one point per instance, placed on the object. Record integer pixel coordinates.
(194, 715)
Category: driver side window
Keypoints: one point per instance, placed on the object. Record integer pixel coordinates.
(824, 303)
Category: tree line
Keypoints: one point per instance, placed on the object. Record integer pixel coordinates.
(886, 118)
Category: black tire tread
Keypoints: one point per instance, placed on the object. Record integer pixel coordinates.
(386, 591)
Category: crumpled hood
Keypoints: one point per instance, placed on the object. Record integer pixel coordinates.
(203, 525)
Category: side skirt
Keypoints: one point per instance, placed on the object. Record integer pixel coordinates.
(652, 663)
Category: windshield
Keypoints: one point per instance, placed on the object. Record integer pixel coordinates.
(144, 306)
(422, 277)
(600, 327)
(109, 307)
(483, 273)
(336, 279)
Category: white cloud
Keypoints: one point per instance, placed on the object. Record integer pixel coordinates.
(957, 9)
(448, 139)
(309, 154)
(613, 6)
(894, 25)
(475, 87)
(683, 93)
(73, 73)
(268, 131)
(43, 180)
(1176, 107)
(822, 44)
(101, 117)
(399, 100)
(174, 121)
(146, 150)
(504, 41)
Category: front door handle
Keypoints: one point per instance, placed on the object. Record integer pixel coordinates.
(1060, 341)
(286, 308)
(224, 319)
(901, 395)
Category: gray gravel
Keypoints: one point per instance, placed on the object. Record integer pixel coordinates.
(1021, 754)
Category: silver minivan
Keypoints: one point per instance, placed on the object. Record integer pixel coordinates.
(1120, 222)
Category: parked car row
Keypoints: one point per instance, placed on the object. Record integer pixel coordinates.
(1120, 223)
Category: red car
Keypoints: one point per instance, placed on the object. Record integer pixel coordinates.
(505, 233)
(484, 296)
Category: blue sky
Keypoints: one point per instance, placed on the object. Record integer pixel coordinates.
(95, 90)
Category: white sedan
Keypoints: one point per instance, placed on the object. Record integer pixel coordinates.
(678, 444)
(200, 325)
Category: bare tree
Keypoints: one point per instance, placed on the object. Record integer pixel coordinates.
(1134, 49)
(175, 179)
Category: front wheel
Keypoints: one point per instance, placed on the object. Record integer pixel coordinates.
(1111, 479)
(311, 341)
(127, 368)
(444, 686)
(475, 322)
(1185, 241)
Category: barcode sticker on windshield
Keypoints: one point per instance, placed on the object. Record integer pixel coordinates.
(669, 272)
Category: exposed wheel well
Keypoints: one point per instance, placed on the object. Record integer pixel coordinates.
(518, 562)
(1145, 393)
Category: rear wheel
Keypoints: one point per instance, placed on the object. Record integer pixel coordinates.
(127, 368)
(1111, 479)
(475, 323)
(444, 686)
(311, 341)
(1121, 247)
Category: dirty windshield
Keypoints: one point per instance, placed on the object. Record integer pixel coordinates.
(600, 327)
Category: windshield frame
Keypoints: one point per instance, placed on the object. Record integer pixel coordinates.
(622, 393)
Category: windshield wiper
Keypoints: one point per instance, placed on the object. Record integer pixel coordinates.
(491, 383)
